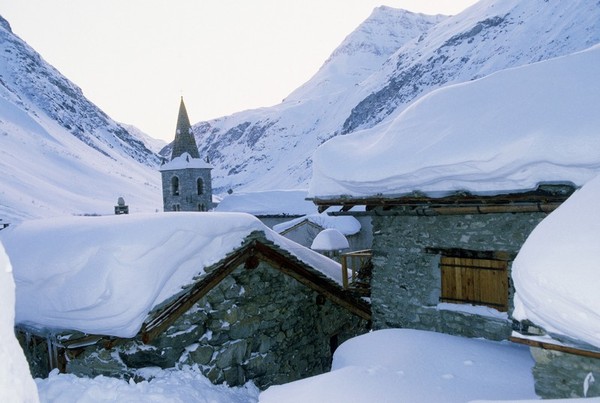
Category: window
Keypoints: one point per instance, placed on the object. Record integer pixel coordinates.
(200, 186)
(470, 278)
(201, 207)
(176, 207)
(175, 186)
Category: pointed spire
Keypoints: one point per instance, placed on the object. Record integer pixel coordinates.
(184, 138)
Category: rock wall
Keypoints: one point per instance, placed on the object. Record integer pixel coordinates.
(406, 282)
(560, 375)
(257, 324)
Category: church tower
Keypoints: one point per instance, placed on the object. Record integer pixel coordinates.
(186, 179)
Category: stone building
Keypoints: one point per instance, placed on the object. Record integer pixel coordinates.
(186, 178)
(266, 310)
(443, 264)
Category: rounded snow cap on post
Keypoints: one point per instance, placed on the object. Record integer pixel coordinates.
(330, 240)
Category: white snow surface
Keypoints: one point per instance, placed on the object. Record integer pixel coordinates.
(556, 271)
(403, 365)
(510, 131)
(16, 384)
(330, 239)
(392, 59)
(185, 385)
(184, 161)
(347, 225)
(394, 365)
(269, 202)
(103, 275)
(50, 170)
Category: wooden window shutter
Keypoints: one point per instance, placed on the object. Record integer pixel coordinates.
(475, 281)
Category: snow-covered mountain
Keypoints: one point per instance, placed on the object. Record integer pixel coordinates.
(59, 153)
(541, 126)
(393, 58)
(270, 148)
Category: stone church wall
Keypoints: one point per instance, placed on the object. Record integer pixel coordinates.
(258, 325)
(406, 282)
(188, 198)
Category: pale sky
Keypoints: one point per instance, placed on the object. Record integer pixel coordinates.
(135, 58)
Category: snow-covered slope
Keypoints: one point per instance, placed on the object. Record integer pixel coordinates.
(59, 153)
(489, 36)
(271, 148)
(512, 130)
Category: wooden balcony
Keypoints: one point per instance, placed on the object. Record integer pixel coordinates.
(356, 271)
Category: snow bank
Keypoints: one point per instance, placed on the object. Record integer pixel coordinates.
(330, 240)
(556, 272)
(271, 202)
(103, 275)
(347, 225)
(507, 132)
(16, 384)
(175, 386)
(402, 365)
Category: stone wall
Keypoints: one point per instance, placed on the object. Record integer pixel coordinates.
(406, 282)
(188, 198)
(560, 375)
(258, 325)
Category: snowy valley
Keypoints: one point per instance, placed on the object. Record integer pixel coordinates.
(471, 138)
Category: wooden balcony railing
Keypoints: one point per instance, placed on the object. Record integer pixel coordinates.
(352, 264)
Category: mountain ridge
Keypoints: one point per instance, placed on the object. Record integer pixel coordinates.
(271, 148)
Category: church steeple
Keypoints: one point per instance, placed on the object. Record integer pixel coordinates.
(184, 138)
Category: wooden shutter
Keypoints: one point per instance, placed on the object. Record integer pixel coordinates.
(475, 281)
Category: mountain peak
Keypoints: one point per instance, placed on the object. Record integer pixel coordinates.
(5, 24)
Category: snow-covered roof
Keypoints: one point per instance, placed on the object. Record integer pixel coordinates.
(347, 225)
(556, 272)
(330, 240)
(503, 133)
(103, 275)
(184, 161)
(269, 202)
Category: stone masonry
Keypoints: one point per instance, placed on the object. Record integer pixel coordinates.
(406, 282)
(258, 324)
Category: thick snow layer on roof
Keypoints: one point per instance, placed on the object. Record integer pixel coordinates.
(330, 240)
(102, 275)
(506, 132)
(556, 273)
(403, 365)
(185, 160)
(270, 202)
(16, 384)
(347, 225)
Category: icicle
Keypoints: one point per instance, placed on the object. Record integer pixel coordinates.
(589, 379)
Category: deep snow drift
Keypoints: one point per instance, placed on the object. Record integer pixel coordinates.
(556, 273)
(103, 275)
(402, 365)
(16, 384)
(510, 131)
